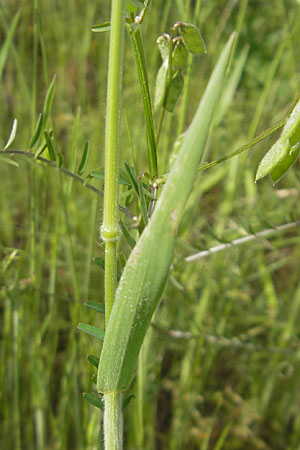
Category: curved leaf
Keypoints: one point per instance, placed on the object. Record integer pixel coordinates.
(84, 159)
(12, 134)
(280, 170)
(37, 131)
(147, 267)
(192, 37)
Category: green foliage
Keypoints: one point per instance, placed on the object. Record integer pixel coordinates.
(219, 367)
(146, 270)
(284, 153)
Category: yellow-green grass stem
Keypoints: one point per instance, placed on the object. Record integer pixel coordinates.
(110, 227)
(113, 423)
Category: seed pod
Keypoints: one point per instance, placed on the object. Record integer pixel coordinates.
(147, 268)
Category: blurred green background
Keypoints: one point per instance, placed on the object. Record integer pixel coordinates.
(220, 368)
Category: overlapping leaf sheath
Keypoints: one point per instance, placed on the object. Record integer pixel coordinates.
(146, 270)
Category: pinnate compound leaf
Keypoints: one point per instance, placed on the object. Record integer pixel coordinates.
(37, 131)
(12, 134)
(192, 37)
(91, 330)
(281, 169)
(101, 27)
(100, 175)
(94, 399)
(96, 306)
(84, 159)
(174, 92)
(94, 360)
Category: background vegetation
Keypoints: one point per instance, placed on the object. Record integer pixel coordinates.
(220, 367)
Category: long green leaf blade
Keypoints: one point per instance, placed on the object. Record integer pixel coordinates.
(147, 268)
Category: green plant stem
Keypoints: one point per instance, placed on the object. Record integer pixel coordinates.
(245, 147)
(65, 171)
(110, 227)
(144, 85)
(15, 368)
(113, 421)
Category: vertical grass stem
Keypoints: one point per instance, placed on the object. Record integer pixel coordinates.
(110, 227)
(113, 423)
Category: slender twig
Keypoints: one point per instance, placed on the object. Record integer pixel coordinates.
(65, 171)
(236, 342)
(242, 240)
(254, 141)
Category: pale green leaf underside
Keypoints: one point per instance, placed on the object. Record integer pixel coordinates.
(160, 84)
(284, 152)
(274, 156)
(163, 46)
(192, 38)
(12, 134)
(101, 27)
(292, 124)
(280, 170)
